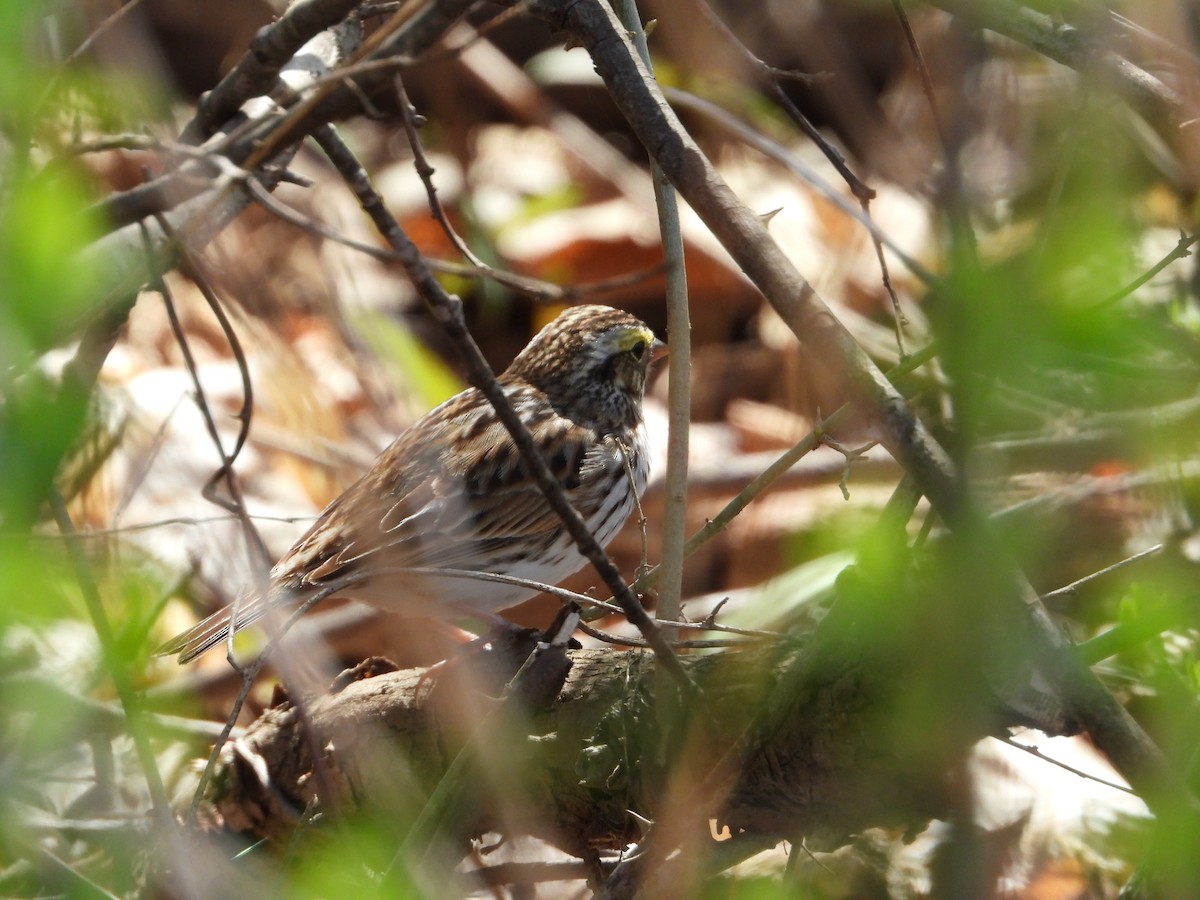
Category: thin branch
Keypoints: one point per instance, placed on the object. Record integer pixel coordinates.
(156, 195)
(425, 171)
(1181, 250)
(192, 267)
(772, 149)
(1034, 751)
(414, 26)
(142, 251)
(926, 82)
(850, 455)
(273, 131)
(96, 533)
(569, 596)
(638, 512)
(775, 471)
(109, 142)
(767, 77)
(679, 361)
(620, 640)
(950, 184)
(1070, 590)
(447, 310)
(236, 504)
(542, 291)
(770, 76)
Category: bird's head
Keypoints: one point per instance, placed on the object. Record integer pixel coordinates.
(591, 361)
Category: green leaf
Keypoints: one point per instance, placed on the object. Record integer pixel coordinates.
(46, 284)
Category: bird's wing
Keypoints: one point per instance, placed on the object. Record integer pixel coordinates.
(480, 502)
(399, 484)
(422, 505)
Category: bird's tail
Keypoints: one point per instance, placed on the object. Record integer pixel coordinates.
(212, 630)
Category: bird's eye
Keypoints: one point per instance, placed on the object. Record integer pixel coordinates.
(638, 350)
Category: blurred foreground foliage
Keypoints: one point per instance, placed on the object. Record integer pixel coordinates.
(1070, 403)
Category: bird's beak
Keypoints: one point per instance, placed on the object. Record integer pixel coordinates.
(658, 350)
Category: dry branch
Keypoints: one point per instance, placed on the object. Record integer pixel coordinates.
(787, 742)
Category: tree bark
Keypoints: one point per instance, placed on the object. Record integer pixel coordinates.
(786, 740)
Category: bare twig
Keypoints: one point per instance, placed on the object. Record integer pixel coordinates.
(620, 640)
(950, 142)
(542, 291)
(447, 310)
(96, 533)
(767, 77)
(850, 455)
(679, 337)
(1070, 590)
(236, 503)
(142, 251)
(638, 511)
(414, 25)
(774, 472)
(268, 134)
(1034, 751)
(781, 154)
(1181, 250)
(923, 71)
(133, 142)
(425, 170)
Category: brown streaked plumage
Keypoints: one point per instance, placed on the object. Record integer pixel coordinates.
(451, 492)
